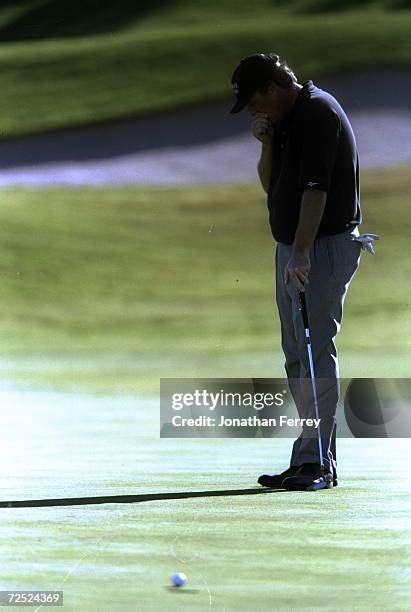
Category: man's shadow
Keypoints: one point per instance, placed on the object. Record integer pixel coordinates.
(131, 499)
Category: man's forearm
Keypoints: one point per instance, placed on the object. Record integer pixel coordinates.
(264, 166)
(311, 212)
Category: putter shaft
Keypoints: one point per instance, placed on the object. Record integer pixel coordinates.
(303, 308)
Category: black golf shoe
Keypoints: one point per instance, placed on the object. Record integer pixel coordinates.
(309, 477)
(275, 481)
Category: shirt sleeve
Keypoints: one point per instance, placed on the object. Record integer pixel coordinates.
(320, 138)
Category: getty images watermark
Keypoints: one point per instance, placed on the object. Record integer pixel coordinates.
(204, 408)
(209, 400)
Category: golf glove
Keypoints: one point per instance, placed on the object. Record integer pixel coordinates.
(366, 241)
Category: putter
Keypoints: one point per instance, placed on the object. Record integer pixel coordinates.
(326, 481)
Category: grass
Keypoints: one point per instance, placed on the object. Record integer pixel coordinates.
(109, 289)
(344, 549)
(62, 68)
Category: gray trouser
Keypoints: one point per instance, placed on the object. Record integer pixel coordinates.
(334, 261)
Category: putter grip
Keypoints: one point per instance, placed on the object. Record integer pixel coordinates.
(303, 308)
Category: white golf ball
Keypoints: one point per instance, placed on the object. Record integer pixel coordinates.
(178, 579)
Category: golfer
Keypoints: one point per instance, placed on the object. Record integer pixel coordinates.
(310, 171)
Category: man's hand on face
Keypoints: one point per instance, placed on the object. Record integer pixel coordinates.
(297, 270)
(262, 127)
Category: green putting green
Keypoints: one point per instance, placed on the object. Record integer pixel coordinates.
(342, 549)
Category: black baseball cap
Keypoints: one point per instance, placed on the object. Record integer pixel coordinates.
(252, 72)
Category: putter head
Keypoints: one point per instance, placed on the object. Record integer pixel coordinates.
(321, 483)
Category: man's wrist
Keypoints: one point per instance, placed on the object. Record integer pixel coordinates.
(301, 250)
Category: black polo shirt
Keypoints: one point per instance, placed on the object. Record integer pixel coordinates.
(314, 147)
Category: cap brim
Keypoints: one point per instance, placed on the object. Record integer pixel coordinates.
(238, 106)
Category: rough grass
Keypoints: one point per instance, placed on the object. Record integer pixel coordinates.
(63, 67)
(116, 287)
